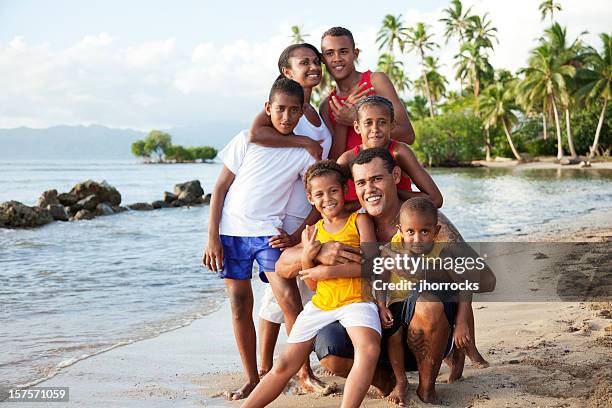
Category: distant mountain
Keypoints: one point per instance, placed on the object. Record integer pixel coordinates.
(100, 142)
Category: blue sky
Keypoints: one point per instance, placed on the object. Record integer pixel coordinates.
(146, 64)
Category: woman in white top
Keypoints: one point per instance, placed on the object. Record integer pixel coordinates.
(302, 63)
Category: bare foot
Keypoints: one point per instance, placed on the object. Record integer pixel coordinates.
(476, 358)
(428, 397)
(455, 361)
(383, 381)
(398, 395)
(310, 383)
(240, 393)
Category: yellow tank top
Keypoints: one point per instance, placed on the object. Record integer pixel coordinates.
(394, 296)
(334, 293)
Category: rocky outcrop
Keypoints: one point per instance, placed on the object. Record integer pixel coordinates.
(103, 191)
(90, 199)
(58, 212)
(47, 198)
(14, 214)
(141, 207)
(189, 192)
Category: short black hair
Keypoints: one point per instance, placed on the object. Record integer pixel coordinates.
(339, 32)
(367, 155)
(323, 168)
(283, 60)
(420, 205)
(287, 86)
(376, 100)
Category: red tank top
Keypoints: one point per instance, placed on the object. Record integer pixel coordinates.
(352, 138)
(405, 183)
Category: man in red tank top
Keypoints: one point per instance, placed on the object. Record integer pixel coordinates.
(338, 110)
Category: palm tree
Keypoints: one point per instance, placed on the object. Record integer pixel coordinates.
(392, 32)
(546, 78)
(394, 70)
(437, 82)
(567, 55)
(419, 40)
(497, 103)
(481, 31)
(549, 6)
(456, 21)
(473, 65)
(417, 107)
(296, 35)
(596, 79)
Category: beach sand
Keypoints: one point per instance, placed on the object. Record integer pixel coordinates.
(542, 355)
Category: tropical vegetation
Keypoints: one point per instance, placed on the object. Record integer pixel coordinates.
(159, 144)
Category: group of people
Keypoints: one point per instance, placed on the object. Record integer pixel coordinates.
(302, 193)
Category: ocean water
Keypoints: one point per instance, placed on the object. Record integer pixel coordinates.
(72, 290)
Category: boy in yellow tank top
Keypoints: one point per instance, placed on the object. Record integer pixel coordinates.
(337, 298)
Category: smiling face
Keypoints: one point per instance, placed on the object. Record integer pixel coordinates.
(305, 68)
(375, 185)
(326, 193)
(419, 230)
(339, 55)
(284, 112)
(374, 124)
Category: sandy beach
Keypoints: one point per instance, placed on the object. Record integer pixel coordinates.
(549, 354)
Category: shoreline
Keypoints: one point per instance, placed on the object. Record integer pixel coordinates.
(526, 343)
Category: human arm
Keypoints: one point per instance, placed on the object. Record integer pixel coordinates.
(403, 131)
(411, 166)
(323, 272)
(345, 114)
(263, 133)
(213, 252)
(338, 137)
(331, 253)
(310, 248)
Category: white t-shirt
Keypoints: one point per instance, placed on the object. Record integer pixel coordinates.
(256, 201)
(298, 205)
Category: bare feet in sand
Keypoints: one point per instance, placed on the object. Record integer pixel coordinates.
(455, 361)
(399, 394)
(240, 393)
(383, 382)
(476, 358)
(310, 383)
(428, 397)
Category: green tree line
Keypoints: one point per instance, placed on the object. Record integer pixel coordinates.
(557, 104)
(159, 144)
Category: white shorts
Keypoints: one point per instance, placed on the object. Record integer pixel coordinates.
(269, 308)
(312, 319)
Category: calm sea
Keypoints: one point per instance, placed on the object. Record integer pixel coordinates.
(71, 290)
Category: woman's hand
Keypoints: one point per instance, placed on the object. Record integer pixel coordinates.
(213, 255)
(315, 149)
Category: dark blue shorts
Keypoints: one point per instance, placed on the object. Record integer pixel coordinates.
(333, 338)
(240, 252)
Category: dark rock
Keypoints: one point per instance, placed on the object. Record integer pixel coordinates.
(14, 214)
(178, 203)
(141, 207)
(104, 209)
(169, 197)
(67, 199)
(47, 198)
(119, 209)
(89, 203)
(189, 192)
(206, 199)
(72, 210)
(159, 204)
(103, 191)
(84, 215)
(58, 212)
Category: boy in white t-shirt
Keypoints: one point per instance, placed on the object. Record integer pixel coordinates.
(247, 207)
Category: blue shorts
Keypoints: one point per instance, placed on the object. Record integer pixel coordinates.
(240, 252)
